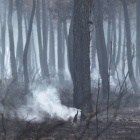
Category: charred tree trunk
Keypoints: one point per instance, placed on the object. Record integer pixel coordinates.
(81, 56)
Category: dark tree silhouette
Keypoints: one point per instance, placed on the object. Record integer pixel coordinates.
(81, 56)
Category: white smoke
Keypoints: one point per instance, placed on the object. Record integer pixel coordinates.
(45, 102)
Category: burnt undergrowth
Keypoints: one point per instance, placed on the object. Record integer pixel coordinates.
(123, 115)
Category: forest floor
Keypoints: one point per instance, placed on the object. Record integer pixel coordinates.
(126, 126)
(122, 124)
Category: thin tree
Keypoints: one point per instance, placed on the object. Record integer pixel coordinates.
(120, 38)
(138, 37)
(20, 34)
(44, 68)
(3, 35)
(26, 77)
(114, 38)
(70, 49)
(129, 53)
(109, 28)
(45, 38)
(51, 45)
(101, 49)
(11, 40)
(60, 49)
(93, 52)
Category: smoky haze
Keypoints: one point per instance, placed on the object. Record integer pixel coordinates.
(61, 54)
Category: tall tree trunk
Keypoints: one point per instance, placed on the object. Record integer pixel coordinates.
(70, 49)
(25, 54)
(138, 38)
(114, 39)
(45, 38)
(65, 31)
(81, 56)
(123, 53)
(60, 51)
(93, 42)
(39, 38)
(101, 50)
(93, 52)
(129, 53)
(52, 62)
(63, 47)
(109, 29)
(3, 35)
(120, 38)
(11, 40)
(27, 22)
(34, 53)
(65, 34)
(20, 35)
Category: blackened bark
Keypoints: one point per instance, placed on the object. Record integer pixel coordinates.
(81, 56)
(11, 41)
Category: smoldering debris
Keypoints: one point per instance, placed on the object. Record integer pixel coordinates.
(45, 103)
